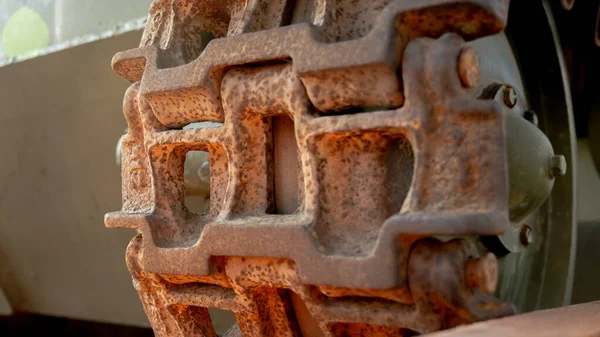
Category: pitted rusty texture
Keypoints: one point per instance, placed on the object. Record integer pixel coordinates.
(343, 64)
(387, 146)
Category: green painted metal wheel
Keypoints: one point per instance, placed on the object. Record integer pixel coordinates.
(536, 255)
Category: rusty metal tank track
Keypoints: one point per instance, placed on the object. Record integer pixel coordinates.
(393, 144)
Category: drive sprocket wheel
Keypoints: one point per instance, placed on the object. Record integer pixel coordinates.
(358, 164)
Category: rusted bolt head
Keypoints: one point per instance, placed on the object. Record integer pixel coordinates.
(509, 96)
(526, 235)
(482, 273)
(468, 67)
(557, 165)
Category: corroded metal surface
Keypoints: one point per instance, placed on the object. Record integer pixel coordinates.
(391, 143)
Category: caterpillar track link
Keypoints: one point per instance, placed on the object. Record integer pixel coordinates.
(351, 155)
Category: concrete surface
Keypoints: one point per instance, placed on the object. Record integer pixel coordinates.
(59, 123)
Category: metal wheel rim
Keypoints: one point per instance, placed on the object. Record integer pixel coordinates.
(541, 275)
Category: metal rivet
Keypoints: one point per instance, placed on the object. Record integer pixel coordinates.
(482, 273)
(468, 67)
(509, 96)
(557, 165)
(526, 235)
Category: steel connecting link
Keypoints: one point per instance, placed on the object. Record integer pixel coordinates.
(329, 234)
